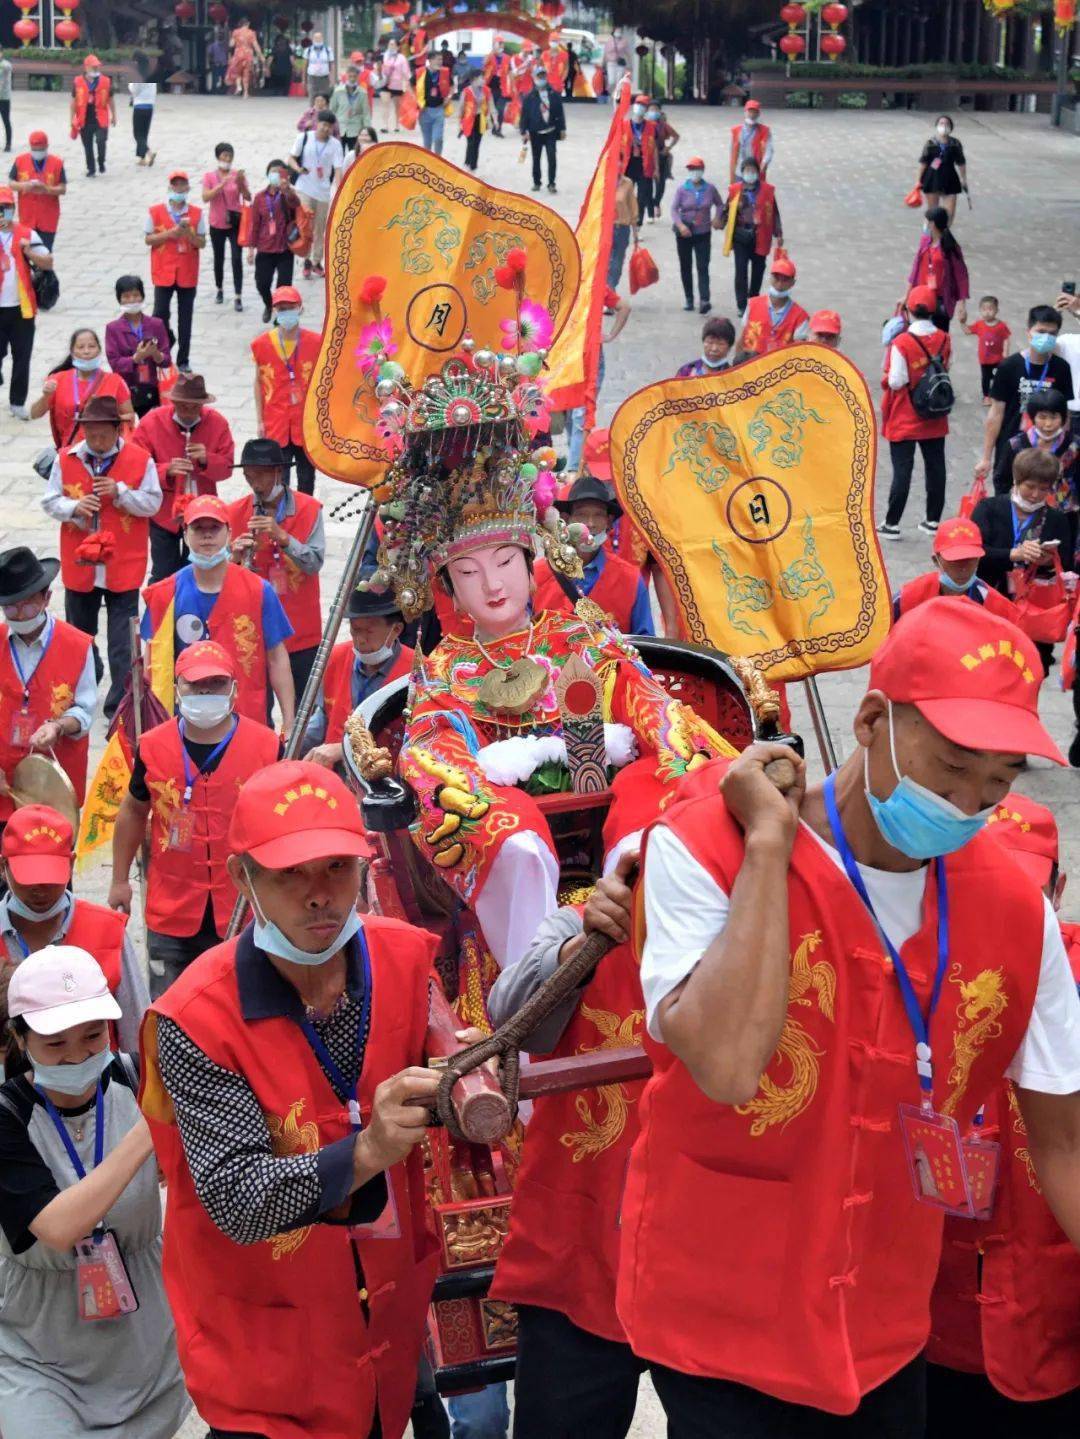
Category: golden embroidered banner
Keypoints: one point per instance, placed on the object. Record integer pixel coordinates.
(436, 235)
(755, 492)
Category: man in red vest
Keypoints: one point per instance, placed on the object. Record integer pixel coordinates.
(48, 688)
(750, 141)
(277, 1082)
(1005, 1312)
(103, 491)
(176, 232)
(906, 363)
(20, 249)
(957, 550)
(615, 584)
(640, 156)
(497, 77)
(285, 357)
(830, 1000)
(825, 329)
(279, 534)
(774, 320)
(39, 909)
(193, 448)
(93, 110)
(185, 780)
(211, 598)
(752, 231)
(39, 180)
(372, 657)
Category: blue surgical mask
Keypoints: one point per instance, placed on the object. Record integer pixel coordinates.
(7, 213)
(288, 319)
(207, 562)
(274, 179)
(72, 1078)
(915, 820)
(750, 178)
(652, 114)
(947, 583)
(86, 363)
(778, 295)
(35, 916)
(177, 198)
(269, 938)
(1042, 343)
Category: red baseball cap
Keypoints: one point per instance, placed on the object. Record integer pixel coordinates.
(972, 675)
(783, 266)
(958, 539)
(294, 811)
(695, 162)
(1029, 832)
(39, 845)
(7, 195)
(752, 105)
(38, 137)
(206, 507)
(203, 661)
(596, 456)
(286, 295)
(924, 296)
(825, 322)
(178, 175)
(91, 60)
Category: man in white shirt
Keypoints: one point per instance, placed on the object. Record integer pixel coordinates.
(20, 247)
(320, 59)
(1068, 347)
(808, 975)
(316, 159)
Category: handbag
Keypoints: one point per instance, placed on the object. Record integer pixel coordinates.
(297, 90)
(643, 270)
(974, 496)
(301, 232)
(46, 288)
(914, 198)
(243, 229)
(1043, 603)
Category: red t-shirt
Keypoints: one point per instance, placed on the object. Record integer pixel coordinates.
(992, 337)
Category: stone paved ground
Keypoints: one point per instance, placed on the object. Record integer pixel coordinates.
(840, 178)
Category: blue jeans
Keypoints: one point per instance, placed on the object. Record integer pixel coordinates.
(620, 239)
(432, 124)
(483, 1415)
(575, 425)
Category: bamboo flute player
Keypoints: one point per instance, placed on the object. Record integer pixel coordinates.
(835, 980)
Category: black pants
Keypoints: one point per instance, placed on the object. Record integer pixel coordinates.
(472, 147)
(17, 336)
(94, 137)
(272, 271)
(635, 170)
(498, 100)
(168, 553)
(121, 607)
(569, 1382)
(717, 1409)
(304, 470)
(185, 308)
(47, 238)
(663, 175)
(987, 372)
(375, 1432)
(169, 955)
(749, 273)
(695, 250)
(220, 235)
(300, 662)
(903, 463)
(543, 145)
(141, 118)
(5, 118)
(969, 1403)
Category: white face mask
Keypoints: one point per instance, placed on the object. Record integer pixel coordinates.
(779, 295)
(208, 562)
(715, 364)
(224, 164)
(1026, 506)
(24, 627)
(206, 711)
(943, 131)
(374, 658)
(288, 319)
(38, 155)
(133, 307)
(86, 363)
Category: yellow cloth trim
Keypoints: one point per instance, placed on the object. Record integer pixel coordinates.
(162, 664)
(103, 797)
(729, 228)
(154, 1099)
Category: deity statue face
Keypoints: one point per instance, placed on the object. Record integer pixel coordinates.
(493, 587)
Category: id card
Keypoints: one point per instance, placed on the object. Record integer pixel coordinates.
(318, 172)
(982, 1160)
(296, 396)
(143, 374)
(271, 228)
(278, 578)
(387, 1226)
(104, 1288)
(936, 1160)
(181, 830)
(23, 725)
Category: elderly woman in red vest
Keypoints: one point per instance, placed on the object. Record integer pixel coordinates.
(176, 232)
(93, 110)
(285, 357)
(640, 153)
(476, 112)
(39, 180)
(750, 141)
(20, 249)
(750, 220)
(70, 384)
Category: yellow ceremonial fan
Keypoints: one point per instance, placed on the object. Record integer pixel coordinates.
(754, 489)
(437, 235)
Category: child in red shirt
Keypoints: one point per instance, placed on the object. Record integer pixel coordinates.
(993, 336)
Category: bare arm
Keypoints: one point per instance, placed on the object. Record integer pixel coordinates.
(128, 834)
(75, 1211)
(994, 417)
(1053, 1126)
(281, 682)
(618, 322)
(669, 614)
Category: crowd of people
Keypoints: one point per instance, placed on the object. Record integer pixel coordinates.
(792, 1225)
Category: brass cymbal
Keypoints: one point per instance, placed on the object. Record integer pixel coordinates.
(37, 779)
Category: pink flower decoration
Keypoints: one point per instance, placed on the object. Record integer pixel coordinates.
(544, 491)
(534, 326)
(375, 345)
(510, 334)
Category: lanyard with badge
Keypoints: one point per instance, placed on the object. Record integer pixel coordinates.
(387, 1225)
(24, 723)
(182, 824)
(288, 359)
(1020, 530)
(935, 1152)
(319, 156)
(104, 1287)
(277, 574)
(1041, 382)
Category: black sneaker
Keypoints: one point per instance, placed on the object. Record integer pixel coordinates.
(238, 304)
(552, 189)
(307, 269)
(535, 188)
(928, 527)
(318, 272)
(689, 305)
(266, 314)
(890, 532)
(219, 298)
(704, 307)
(1074, 751)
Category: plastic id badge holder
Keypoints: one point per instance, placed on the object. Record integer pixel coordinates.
(104, 1286)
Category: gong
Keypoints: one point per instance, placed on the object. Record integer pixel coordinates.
(37, 779)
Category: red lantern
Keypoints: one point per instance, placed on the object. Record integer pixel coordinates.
(67, 5)
(792, 45)
(834, 15)
(396, 7)
(793, 15)
(833, 45)
(67, 32)
(1064, 16)
(218, 14)
(25, 5)
(26, 30)
(184, 11)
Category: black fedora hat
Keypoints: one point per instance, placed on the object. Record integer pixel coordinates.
(262, 454)
(22, 574)
(365, 603)
(589, 488)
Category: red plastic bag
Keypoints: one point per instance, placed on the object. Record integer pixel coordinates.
(643, 271)
(972, 498)
(304, 225)
(409, 110)
(512, 113)
(243, 230)
(297, 90)
(1068, 657)
(914, 198)
(1043, 603)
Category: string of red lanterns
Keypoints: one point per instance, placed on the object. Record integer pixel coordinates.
(833, 15)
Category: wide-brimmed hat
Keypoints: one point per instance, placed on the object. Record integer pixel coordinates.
(22, 574)
(191, 389)
(262, 454)
(369, 602)
(588, 488)
(101, 410)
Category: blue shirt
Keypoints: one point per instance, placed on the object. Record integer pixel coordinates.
(193, 607)
(641, 620)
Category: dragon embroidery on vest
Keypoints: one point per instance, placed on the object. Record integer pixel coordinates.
(63, 697)
(1023, 1153)
(166, 803)
(780, 1104)
(288, 1136)
(598, 1135)
(983, 1000)
(244, 638)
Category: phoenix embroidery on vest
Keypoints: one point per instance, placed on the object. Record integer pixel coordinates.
(63, 697)
(166, 803)
(983, 1000)
(780, 1104)
(288, 1136)
(245, 641)
(598, 1135)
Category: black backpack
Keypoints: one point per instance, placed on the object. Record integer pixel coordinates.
(46, 288)
(934, 395)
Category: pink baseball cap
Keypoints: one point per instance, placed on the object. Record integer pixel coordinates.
(59, 987)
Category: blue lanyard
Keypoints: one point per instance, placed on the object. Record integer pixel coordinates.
(1041, 381)
(920, 1025)
(1020, 530)
(136, 330)
(25, 680)
(101, 464)
(61, 1129)
(189, 773)
(345, 1091)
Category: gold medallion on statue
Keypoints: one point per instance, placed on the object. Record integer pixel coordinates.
(513, 690)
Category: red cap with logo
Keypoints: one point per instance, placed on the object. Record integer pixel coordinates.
(972, 675)
(1029, 832)
(39, 845)
(7, 195)
(177, 175)
(825, 322)
(752, 105)
(923, 297)
(958, 539)
(293, 812)
(203, 661)
(91, 60)
(205, 507)
(596, 456)
(783, 265)
(286, 295)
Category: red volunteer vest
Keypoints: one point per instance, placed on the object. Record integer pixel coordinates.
(71, 394)
(764, 213)
(562, 1251)
(102, 92)
(1007, 1299)
(615, 590)
(928, 587)
(20, 234)
(759, 337)
(52, 693)
(180, 879)
(177, 261)
(647, 144)
(299, 593)
(758, 141)
(899, 420)
(337, 686)
(472, 112)
(100, 931)
(40, 212)
(249, 1318)
(235, 623)
(126, 568)
(283, 392)
(778, 1244)
(497, 66)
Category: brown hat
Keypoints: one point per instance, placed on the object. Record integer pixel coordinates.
(191, 388)
(101, 410)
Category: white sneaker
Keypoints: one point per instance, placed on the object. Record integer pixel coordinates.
(20, 412)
